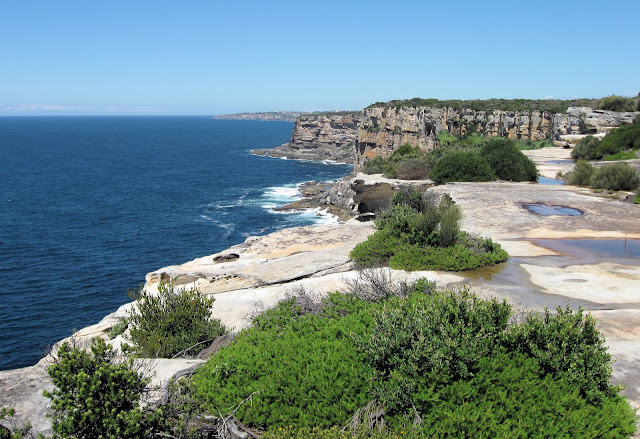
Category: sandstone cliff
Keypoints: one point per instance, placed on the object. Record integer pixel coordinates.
(320, 137)
(382, 129)
(355, 137)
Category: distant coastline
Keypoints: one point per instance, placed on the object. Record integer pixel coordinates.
(284, 116)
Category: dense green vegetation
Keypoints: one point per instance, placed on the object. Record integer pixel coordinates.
(387, 360)
(173, 322)
(432, 364)
(422, 232)
(470, 158)
(549, 105)
(619, 103)
(98, 396)
(620, 142)
(300, 369)
(612, 103)
(614, 176)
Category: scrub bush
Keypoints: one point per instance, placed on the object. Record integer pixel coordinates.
(462, 166)
(616, 177)
(173, 322)
(412, 169)
(97, 396)
(585, 148)
(452, 361)
(507, 161)
(303, 370)
(619, 139)
(581, 174)
(432, 364)
(567, 344)
(617, 103)
(422, 232)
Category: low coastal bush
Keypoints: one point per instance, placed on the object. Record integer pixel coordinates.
(617, 103)
(462, 166)
(173, 322)
(436, 364)
(618, 140)
(412, 169)
(507, 161)
(622, 155)
(96, 395)
(619, 144)
(585, 148)
(616, 177)
(581, 174)
(422, 232)
(297, 369)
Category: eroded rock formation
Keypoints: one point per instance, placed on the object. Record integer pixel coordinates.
(382, 130)
(356, 137)
(320, 137)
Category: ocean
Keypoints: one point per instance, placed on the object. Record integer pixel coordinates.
(89, 205)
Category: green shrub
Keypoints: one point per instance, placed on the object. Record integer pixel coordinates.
(510, 397)
(618, 140)
(452, 360)
(622, 155)
(616, 177)
(403, 150)
(97, 396)
(173, 322)
(409, 196)
(585, 148)
(617, 103)
(118, 328)
(376, 250)
(305, 370)
(507, 161)
(376, 165)
(636, 199)
(454, 258)
(462, 166)
(412, 169)
(450, 217)
(423, 340)
(581, 174)
(422, 232)
(567, 344)
(447, 359)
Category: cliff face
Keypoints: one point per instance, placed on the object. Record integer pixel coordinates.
(356, 137)
(321, 137)
(381, 130)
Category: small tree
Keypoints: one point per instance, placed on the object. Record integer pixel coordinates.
(174, 321)
(96, 395)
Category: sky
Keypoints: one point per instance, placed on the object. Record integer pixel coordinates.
(216, 57)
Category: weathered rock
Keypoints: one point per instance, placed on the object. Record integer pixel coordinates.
(228, 257)
(320, 137)
(383, 129)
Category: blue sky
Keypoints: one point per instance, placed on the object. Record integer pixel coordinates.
(214, 57)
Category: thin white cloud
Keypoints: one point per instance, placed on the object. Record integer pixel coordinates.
(61, 109)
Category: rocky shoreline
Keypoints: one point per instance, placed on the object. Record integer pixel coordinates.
(539, 273)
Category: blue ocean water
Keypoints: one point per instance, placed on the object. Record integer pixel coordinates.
(89, 205)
